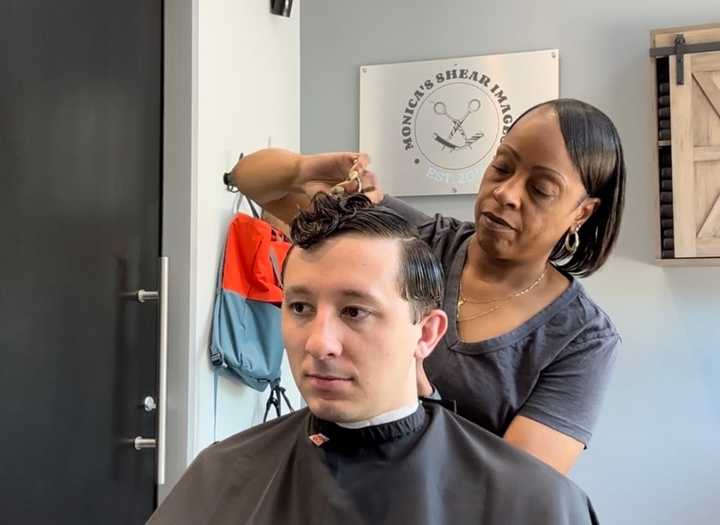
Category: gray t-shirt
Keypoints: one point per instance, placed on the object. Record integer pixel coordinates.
(553, 369)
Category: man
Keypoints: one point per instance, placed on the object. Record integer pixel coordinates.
(361, 307)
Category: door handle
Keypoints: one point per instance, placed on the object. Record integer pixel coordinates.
(161, 296)
(141, 443)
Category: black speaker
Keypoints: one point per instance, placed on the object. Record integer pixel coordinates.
(281, 7)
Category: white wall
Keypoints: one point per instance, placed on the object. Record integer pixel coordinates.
(245, 77)
(178, 239)
(248, 95)
(655, 457)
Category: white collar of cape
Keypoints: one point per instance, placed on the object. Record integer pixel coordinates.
(385, 417)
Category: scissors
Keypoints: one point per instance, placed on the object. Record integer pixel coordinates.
(354, 175)
(441, 109)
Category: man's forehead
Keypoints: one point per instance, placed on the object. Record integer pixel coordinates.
(351, 263)
(351, 250)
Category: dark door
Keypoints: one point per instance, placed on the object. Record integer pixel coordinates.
(80, 178)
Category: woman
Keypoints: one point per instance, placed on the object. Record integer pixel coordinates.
(529, 354)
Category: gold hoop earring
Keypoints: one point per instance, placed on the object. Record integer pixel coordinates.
(572, 242)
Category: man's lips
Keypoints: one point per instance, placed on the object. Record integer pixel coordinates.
(327, 382)
(328, 377)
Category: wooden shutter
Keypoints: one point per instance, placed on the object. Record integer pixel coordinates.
(695, 145)
(695, 108)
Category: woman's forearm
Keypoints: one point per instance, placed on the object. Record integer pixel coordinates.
(268, 175)
(283, 181)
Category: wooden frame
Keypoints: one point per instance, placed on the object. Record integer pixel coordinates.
(688, 147)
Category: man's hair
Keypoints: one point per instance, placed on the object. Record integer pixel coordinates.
(420, 275)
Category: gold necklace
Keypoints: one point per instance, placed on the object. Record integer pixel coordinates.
(503, 301)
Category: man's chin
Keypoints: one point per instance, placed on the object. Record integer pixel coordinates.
(336, 411)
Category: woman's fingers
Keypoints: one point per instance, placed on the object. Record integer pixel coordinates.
(330, 168)
(370, 181)
(364, 181)
(371, 186)
(347, 186)
(359, 179)
(360, 162)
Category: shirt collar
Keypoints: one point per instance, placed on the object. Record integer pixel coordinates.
(385, 417)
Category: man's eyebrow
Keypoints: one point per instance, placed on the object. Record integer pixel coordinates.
(297, 290)
(351, 293)
(345, 293)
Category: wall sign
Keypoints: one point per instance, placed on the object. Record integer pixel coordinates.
(432, 127)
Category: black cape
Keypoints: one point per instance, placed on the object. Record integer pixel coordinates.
(432, 467)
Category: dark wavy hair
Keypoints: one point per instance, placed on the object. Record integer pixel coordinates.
(594, 146)
(420, 275)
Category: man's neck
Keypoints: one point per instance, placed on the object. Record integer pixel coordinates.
(385, 417)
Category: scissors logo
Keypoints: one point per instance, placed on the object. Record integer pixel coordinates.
(453, 127)
(457, 127)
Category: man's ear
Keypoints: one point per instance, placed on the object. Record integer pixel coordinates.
(433, 327)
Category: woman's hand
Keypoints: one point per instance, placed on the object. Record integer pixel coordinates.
(323, 171)
(282, 181)
(327, 171)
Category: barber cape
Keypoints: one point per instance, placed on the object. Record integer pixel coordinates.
(432, 467)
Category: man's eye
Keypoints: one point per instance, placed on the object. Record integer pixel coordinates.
(299, 308)
(354, 313)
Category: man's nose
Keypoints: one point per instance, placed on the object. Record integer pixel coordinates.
(323, 341)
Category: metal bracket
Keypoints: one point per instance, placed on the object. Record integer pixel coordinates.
(680, 49)
(148, 404)
(680, 59)
(227, 178)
